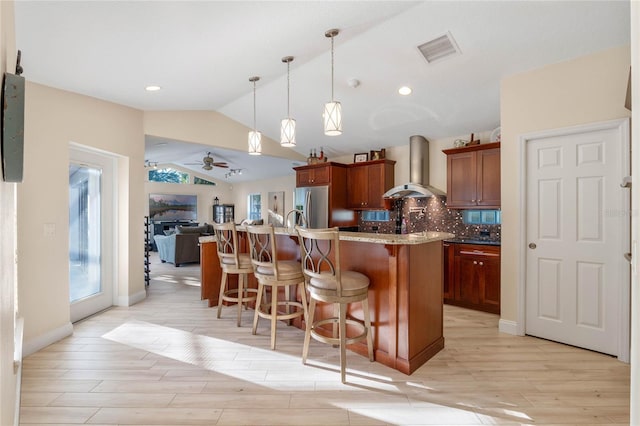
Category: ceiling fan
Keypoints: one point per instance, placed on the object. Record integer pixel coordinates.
(208, 163)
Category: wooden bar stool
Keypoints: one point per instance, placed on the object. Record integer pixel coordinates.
(327, 283)
(274, 273)
(233, 262)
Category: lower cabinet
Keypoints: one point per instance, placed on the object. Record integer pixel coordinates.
(472, 276)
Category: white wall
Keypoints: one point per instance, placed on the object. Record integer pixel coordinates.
(584, 90)
(54, 119)
(8, 231)
(240, 191)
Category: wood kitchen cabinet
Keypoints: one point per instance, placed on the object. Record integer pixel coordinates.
(367, 182)
(334, 176)
(472, 276)
(314, 174)
(473, 176)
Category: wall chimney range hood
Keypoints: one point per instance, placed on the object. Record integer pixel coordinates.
(418, 185)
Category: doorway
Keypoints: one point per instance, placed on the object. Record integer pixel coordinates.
(91, 232)
(576, 279)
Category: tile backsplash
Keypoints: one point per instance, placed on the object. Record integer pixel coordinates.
(430, 214)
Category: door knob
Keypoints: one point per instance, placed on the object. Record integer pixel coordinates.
(532, 245)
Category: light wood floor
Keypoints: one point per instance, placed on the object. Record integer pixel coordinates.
(169, 361)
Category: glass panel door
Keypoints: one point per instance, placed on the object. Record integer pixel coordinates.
(85, 278)
(92, 225)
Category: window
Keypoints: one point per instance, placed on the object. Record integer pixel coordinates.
(168, 175)
(199, 181)
(376, 215)
(481, 217)
(254, 206)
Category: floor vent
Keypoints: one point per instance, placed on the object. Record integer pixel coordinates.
(439, 48)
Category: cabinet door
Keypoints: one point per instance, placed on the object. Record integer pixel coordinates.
(321, 175)
(376, 185)
(357, 187)
(303, 177)
(490, 285)
(467, 280)
(461, 180)
(488, 183)
(314, 175)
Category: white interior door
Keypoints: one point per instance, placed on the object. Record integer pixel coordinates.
(577, 233)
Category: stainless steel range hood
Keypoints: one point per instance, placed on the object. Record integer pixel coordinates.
(418, 185)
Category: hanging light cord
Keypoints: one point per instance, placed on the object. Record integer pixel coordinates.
(332, 68)
(254, 105)
(288, 113)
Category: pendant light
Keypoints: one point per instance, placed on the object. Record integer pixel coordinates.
(288, 125)
(332, 110)
(255, 138)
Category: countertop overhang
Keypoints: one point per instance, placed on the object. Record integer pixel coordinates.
(366, 237)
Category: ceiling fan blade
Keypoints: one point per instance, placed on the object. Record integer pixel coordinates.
(221, 164)
(193, 164)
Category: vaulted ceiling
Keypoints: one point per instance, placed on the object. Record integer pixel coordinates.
(202, 54)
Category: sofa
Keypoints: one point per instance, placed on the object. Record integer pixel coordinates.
(182, 245)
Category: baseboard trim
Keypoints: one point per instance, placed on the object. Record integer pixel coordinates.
(508, 327)
(133, 299)
(34, 345)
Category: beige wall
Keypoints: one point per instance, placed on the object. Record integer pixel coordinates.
(208, 128)
(8, 277)
(240, 191)
(584, 90)
(54, 119)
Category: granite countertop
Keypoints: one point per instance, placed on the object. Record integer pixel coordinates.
(465, 240)
(368, 237)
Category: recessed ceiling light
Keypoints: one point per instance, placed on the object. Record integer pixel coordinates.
(152, 88)
(405, 90)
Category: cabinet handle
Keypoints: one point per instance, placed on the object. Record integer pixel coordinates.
(481, 263)
(475, 262)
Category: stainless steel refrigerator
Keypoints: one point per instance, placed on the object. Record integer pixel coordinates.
(313, 201)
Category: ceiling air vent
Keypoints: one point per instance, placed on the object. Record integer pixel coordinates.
(439, 48)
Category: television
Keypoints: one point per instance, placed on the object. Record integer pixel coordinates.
(173, 207)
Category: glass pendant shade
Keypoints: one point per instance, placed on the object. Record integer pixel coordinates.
(332, 110)
(288, 132)
(255, 138)
(332, 118)
(255, 143)
(288, 125)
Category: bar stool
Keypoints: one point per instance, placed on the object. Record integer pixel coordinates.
(327, 283)
(274, 273)
(233, 262)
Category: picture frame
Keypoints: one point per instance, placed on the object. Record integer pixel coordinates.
(275, 208)
(170, 207)
(360, 157)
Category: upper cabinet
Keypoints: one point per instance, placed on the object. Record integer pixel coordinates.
(367, 182)
(314, 174)
(473, 176)
(334, 176)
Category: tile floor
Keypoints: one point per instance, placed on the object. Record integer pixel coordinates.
(169, 361)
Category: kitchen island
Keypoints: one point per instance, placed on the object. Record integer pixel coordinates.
(405, 296)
